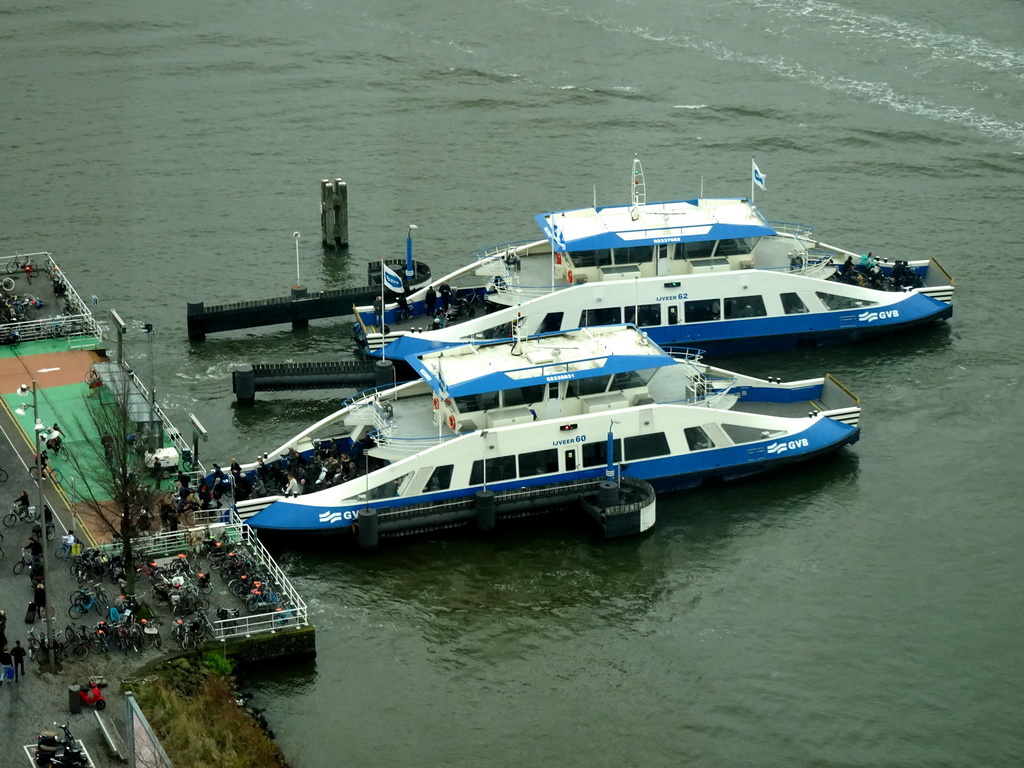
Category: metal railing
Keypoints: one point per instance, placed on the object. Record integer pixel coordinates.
(78, 324)
(292, 613)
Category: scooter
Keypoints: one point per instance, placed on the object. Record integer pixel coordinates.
(57, 752)
(91, 694)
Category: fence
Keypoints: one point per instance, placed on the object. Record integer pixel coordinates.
(292, 613)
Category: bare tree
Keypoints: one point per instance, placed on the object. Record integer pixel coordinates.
(120, 490)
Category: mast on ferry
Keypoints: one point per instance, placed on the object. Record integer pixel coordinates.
(638, 190)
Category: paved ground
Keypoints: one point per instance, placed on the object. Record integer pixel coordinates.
(41, 697)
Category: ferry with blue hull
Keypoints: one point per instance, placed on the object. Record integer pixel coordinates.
(541, 415)
(712, 273)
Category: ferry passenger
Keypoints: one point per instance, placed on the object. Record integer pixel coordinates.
(293, 488)
(430, 300)
(446, 296)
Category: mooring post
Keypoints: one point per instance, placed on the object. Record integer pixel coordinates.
(367, 530)
(485, 511)
(298, 293)
(608, 494)
(243, 381)
(384, 372)
(193, 316)
(334, 213)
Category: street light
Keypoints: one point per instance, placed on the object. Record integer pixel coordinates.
(39, 434)
(147, 328)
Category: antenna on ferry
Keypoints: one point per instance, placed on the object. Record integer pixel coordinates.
(638, 190)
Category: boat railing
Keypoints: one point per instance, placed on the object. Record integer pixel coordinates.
(411, 445)
(707, 390)
(74, 325)
(791, 228)
(523, 292)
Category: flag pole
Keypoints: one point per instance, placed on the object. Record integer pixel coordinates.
(752, 164)
(383, 343)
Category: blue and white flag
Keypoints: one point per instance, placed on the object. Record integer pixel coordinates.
(391, 278)
(758, 177)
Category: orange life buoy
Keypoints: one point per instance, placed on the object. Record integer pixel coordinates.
(451, 422)
(558, 258)
(570, 276)
(435, 403)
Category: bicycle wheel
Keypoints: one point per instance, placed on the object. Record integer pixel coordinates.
(81, 650)
(19, 567)
(13, 266)
(2, 552)
(51, 529)
(3, 475)
(98, 643)
(10, 519)
(64, 453)
(77, 610)
(92, 377)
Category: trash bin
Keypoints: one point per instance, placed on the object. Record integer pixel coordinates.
(74, 700)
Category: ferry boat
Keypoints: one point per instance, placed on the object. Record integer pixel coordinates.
(712, 273)
(538, 415)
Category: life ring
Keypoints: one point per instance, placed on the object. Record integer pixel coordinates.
(570, 277)
(558, 258)
(451, 422)
(435, 403)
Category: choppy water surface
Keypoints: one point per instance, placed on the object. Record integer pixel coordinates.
(864, 612)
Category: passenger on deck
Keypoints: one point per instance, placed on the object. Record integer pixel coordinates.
(430, 300)
(293, 488)
(446, 295)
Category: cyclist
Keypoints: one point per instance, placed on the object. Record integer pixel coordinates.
(53, 442)
(34, 548)
(24, 502)
(68, 541)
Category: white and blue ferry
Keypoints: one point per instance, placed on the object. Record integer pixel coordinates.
(711, 273)
(540, 414)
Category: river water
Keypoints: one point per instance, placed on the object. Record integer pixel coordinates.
(866, 611)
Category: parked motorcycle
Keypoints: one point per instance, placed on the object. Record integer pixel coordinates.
(58, 749)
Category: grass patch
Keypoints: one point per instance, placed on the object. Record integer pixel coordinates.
(193, 711)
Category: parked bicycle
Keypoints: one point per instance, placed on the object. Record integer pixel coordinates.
(3, 475)
(84, 600)
(21, 264)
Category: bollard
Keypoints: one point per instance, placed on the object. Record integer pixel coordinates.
(243, 382)
(367, 531)
(607, 494)
(74, 700)
(485, 511)
(298, 293)
(194, 309)
(384, 372)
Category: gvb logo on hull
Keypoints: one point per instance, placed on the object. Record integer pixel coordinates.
(885, 314)
(789, 445)
(334, 517)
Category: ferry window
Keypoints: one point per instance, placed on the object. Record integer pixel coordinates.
(501, 331)
(552, 323)
(833, 302)
(741, 434)
(735, 247)
(501, 468)
(592, 386)
(538, 462)
(600, 258)
(744, 306)
(595, 454)
(639, 255)
(646, 446)
(673, 315)
(631, 379)
(601, 316)
(385, 490)
(703, 310)
(523, 395)
(698, 439)
(700, 250)
(792, 304)
(440, 478)
(647, 314)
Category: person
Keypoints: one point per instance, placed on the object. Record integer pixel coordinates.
(24, 502)
(446, 296)
(18, 657)
(69, 540)
(3, 628)
(403, 305)
(34, 547)
(378, 309)
(108, 447)
(144, 521)
(6, 665)
(430, 300)
(55, 439)
(40, 599)
(847, 267)
(236, 469)
(293, 488)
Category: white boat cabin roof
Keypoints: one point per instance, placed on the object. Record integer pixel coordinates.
(467, 369)
(627, 226)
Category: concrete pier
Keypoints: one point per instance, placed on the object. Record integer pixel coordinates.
(247, 380)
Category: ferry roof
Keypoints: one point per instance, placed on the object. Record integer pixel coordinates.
(470, 369)
(681, 221)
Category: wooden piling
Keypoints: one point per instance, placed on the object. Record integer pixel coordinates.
(334, 213)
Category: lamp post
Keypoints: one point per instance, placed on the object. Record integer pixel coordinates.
(297, 235)
(37, 435)
(147, 328)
